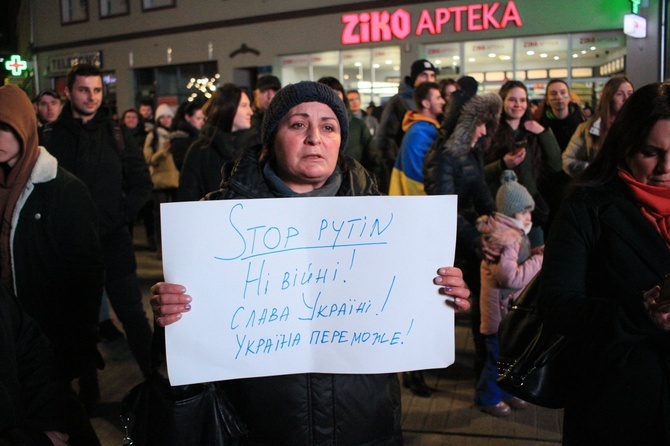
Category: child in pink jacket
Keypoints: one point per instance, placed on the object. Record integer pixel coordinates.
(508, 267)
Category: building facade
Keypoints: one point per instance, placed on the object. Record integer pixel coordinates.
(176, 49)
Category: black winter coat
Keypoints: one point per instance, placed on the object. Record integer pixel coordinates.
(27, 384)
(601, 255)
(313, 409)
(453, 167)
(114, 171)
(201, 172)
(180, 140)
(58, 267)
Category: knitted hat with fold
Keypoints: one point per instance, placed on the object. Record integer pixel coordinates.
(164, 110)
(512, 198)
(295, 94)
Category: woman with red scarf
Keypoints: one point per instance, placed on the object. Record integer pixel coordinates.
(604, 262)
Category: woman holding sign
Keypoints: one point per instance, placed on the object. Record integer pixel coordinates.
(305, 130)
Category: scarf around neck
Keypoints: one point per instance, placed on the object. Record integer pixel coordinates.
(654, 203)
(280, 189)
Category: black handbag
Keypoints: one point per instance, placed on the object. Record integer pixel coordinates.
(154, 413)
(532, 362)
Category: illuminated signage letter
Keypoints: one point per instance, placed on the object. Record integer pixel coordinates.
(401, 24)
(511, 14)
(364, 28)
(379, 26)
(425, 22)
(489, 20)
(442, 16)
(474, 15)
(457, 11)
(349, 35)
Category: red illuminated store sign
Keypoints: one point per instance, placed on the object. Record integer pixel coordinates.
(378, 26)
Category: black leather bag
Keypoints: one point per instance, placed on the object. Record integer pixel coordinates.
(532, 362)
(192, 415)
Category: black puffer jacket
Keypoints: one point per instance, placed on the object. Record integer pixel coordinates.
(454, 167)
(201, 171)
(313, 409)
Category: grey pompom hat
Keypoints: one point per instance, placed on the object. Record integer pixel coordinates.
(512, 197)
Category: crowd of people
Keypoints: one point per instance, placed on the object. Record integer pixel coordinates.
(594, 188)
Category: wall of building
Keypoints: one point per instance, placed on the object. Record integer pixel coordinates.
(142, 39)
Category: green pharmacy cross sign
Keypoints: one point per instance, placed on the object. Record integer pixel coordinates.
(16, 65)
(636, 6)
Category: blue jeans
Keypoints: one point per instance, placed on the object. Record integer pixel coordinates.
(487, 392)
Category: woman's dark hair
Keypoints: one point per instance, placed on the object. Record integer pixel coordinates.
(220, 110)
(629, 132)
(186, 108)
(605, 111)
(337, 86)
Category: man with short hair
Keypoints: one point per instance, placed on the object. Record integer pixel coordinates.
(420, 129)
(146, 111)
(48, 106)
(266, 88)
(89, 144)
(354, 98)
(390, 133)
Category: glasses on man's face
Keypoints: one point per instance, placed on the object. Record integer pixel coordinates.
(354, 99)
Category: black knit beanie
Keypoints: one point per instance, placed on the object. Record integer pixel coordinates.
(294, 94)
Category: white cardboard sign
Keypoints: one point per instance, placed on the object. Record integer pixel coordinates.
(296, 285)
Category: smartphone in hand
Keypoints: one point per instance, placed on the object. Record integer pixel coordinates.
(518, 145)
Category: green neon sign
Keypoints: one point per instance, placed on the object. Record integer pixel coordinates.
(635, 6)
(16, 65)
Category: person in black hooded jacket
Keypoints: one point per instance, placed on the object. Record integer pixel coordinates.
(455, 166)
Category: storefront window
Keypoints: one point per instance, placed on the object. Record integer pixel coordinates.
(585, 60)
(73, 11)
(374, 72)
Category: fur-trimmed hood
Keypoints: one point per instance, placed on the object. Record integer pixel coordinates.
(485, 108)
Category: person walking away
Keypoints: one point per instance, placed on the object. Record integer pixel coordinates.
(509, 266)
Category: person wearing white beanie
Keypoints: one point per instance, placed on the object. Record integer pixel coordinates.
(163, 170)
